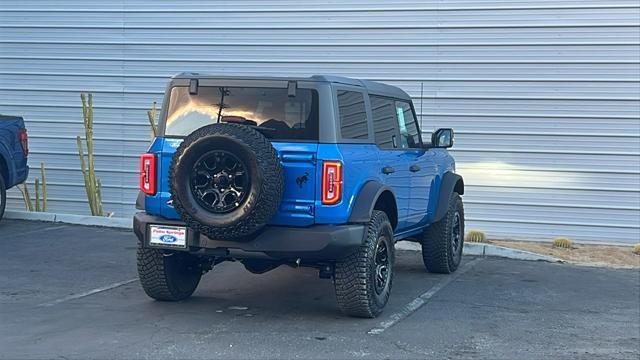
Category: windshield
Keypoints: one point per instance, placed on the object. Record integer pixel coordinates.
(276, 114)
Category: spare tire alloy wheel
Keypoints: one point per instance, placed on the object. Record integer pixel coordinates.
(226, 181)
(219, 181)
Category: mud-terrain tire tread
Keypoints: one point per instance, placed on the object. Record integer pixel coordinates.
(436, 240)
(158, 276)
(271, 188)
(355, 291)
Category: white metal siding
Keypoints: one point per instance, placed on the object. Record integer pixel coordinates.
(544, 95)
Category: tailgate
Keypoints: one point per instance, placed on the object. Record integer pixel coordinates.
(297, 205)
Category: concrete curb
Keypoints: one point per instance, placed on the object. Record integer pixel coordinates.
(121, 223)
(478, 249)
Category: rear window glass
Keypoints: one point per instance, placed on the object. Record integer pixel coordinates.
(274, 113)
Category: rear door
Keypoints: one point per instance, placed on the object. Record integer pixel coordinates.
(394, 163)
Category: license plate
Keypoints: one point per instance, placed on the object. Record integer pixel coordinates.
(168, 236)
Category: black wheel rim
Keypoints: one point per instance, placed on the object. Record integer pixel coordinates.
(220, 181)
(456, 235)
(383, 269)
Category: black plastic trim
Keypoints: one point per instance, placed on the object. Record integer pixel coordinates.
(314, 243)
(366, 200)
(140, 201)
(447, 186)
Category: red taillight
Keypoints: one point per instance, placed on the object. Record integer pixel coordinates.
(331, 182)
(24, 141)
(148, 174)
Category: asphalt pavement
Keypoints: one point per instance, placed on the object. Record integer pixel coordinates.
(71, 292)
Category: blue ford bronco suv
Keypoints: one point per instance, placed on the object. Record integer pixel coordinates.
(14, 149)
(326, 172)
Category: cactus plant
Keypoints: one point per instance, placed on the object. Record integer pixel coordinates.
(39, 183)
(28, 204)
(43, 176)
(151, 114)
(636, 249)
(562, 242)
(476, 236)
(91, 183)
(37, 187)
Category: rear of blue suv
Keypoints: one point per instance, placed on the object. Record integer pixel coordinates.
(323, 171)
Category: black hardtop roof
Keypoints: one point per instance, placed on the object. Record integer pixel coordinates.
(371, 86)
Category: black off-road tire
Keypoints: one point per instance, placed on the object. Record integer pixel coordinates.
(355, 276)
(438, 251)
(265, 172)
(3, 196)
(168, 276)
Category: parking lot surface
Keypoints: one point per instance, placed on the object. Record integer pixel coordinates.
(71, 292)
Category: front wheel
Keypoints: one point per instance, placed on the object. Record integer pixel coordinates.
(442, 242)
(363, 279)
(169, 276)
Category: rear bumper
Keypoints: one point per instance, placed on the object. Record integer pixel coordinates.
(314, 243)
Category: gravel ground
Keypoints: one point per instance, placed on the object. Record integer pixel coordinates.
(581, 254)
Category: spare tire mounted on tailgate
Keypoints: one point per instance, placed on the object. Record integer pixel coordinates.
(226, 180)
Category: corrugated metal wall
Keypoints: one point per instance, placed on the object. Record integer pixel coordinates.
(544, 95)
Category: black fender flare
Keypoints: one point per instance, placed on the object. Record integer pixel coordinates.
(450, 182)
(6, 166)
(366, 201)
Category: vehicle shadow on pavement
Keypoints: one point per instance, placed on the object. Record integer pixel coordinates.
(231, 291)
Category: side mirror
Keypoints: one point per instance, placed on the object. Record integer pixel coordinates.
(442, 138)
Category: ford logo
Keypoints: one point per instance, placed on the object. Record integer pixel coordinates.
(168, 239)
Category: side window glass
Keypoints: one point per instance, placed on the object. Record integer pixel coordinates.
(353, 115)
(384, 122)
(409, 137)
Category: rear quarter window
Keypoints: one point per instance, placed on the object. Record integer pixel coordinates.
(353, 115)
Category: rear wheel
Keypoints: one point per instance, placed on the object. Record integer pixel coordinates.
(363, 279)
(443, 241)
(3, 196)
(168, 276)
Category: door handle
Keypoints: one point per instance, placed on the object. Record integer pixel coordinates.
(414, 168)
(388, 170)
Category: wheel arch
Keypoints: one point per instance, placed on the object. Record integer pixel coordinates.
(374, 196)
(450, 183)
(4, 169)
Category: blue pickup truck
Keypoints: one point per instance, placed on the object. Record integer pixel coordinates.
(14, 149)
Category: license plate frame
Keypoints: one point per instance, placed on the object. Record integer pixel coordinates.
(166, 236)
